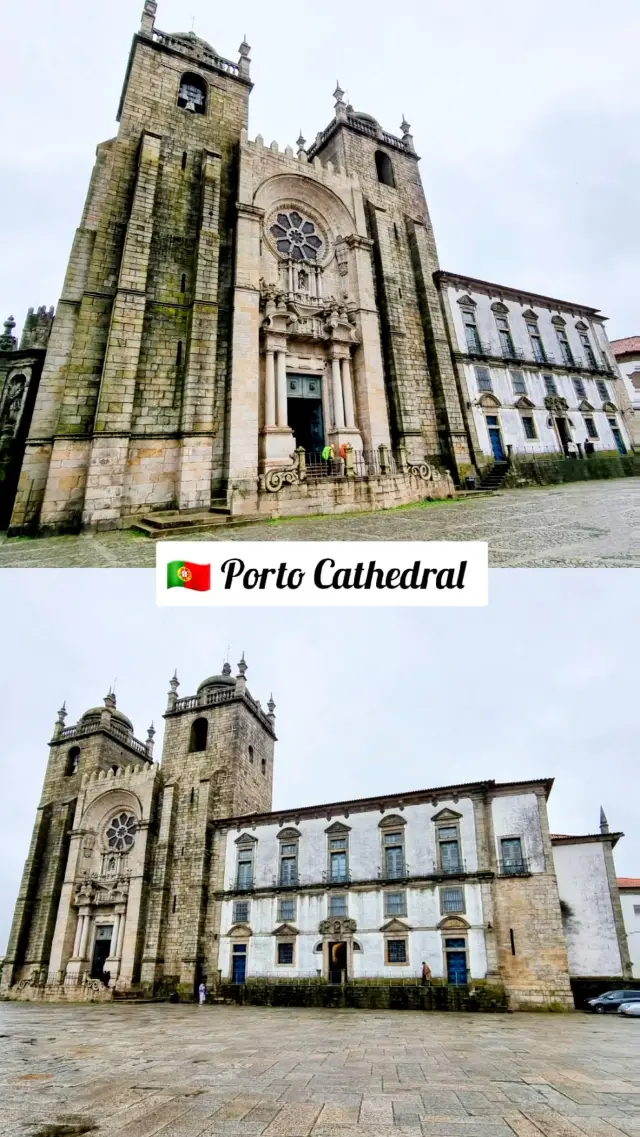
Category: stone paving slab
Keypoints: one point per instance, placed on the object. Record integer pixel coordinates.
(159, 1070)
(580, 524)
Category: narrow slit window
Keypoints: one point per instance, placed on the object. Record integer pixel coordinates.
(183, 282)
(179, 353)
(184, 160)
(513, 941)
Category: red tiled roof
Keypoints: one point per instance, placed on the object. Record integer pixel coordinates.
(628, 882)
(624, 346)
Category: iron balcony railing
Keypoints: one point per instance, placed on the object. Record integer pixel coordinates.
(394, 872)
(454, 869)
(244, 884)
(336, 876)
(286, 880)
(518, 867)
(331, 877)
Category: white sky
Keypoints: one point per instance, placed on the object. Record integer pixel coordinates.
(541, 683)
(526, 118)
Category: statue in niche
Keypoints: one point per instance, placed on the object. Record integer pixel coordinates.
(13, 401)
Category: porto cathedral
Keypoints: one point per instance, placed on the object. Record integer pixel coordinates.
(233, 309)
(149, 878)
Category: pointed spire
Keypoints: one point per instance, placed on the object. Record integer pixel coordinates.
(604, 824)
(244, 62)
(407, 136)
(340, 105)
(242, 666)
(110, 699)
(62, 713)
(173, 692)
(271, 708)
(301, 143)
(150, 736)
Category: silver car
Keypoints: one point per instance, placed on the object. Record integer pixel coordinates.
(630, 1009)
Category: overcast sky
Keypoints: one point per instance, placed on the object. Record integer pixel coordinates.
(541, 683)
(526, 118)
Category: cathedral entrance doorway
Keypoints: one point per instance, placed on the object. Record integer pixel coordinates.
(101, 949)
(304, 413)
(337, 962)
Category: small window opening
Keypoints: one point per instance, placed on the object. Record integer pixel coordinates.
(395, 232)
(264, 765)
(251, 755)
(385, 169)
(73, 761)
(184, 160)
(191, 796)
(198, 740)
(175, 901)
(400, 293)
(179, 353)
(193, 93)
(183, 282)
(115, 769)
(513, 941)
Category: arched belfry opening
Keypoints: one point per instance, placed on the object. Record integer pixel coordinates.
(198, 737)
(384, 169)
(193, 93)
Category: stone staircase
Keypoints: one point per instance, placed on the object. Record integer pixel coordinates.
(494, 478)
(171, 523)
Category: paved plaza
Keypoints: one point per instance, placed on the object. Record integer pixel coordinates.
(187, 1071)
(580, 524)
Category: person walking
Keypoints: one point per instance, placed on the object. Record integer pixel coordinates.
(426, 973)
(202, 994)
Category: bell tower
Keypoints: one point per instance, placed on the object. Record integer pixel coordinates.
(132, 400)
(424, 404)
(217, 762)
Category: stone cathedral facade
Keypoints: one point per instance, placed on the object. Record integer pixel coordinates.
(147, 878)
(227, 304)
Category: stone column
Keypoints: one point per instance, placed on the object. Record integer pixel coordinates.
(281, 368)
(338, 408)
(269, 389)
(78, 939)
(117, 921)
(120, 937)
(84, 936)
(347, 394)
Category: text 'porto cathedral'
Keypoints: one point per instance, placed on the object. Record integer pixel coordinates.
(150, 878)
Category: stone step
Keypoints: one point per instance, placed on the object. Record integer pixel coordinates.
(195, 525)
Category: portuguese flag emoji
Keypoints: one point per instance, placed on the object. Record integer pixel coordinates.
(186, 574)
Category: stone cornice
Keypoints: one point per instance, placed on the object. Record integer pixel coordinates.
(383, 802)
(366, 885)
(521, 295)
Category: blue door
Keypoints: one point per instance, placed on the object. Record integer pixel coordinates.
(456, 961)
(617, 438)
(495, 438)
(239, 964)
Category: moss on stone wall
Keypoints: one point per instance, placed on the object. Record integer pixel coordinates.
(364, 995)
(552, 470)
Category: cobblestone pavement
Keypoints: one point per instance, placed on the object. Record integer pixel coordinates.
(581, 524)
(184, 1071)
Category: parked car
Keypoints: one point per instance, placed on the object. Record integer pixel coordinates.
(611, 1000)
(632, 1008)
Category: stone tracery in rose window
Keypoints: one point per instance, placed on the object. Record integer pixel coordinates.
(296, 236)
(121, 832)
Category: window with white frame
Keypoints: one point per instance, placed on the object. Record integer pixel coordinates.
(241, 910)
(288, 873)
(565, 347)
(579, 388)
(519, 383)
(483, 378)
(592, 429)
(448, 838)
(245, 867)
(506, 340)
(451, 900)
(395, 903)
(285, 953)
(471, 330)
(393, 851)
(603, 390)
(636, 909)
(511, 857)
(337, 904)
(550, 385)
(587, 348)
(287, 909)
(338, 859)
(536, 342)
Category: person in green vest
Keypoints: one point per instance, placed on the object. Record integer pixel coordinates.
(328, 455)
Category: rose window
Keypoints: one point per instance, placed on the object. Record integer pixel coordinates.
(296, 237)
(121, 832)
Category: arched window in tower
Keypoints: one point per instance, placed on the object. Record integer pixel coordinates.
(199, 732)
(193, 93)
(385, 169)
(73, 761)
